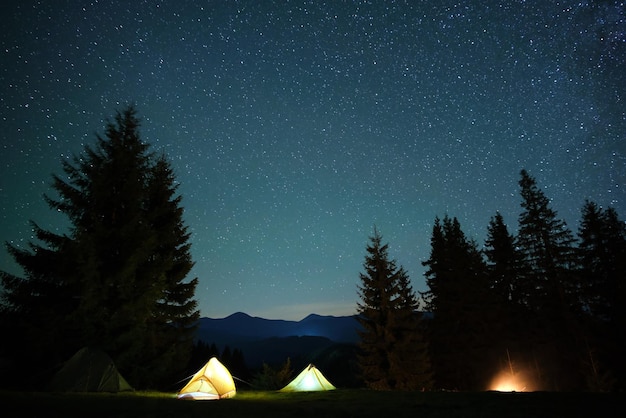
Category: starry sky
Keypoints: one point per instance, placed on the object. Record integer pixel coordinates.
(295, 127)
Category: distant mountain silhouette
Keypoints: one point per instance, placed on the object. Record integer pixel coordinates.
(243, 327)
(273, 340)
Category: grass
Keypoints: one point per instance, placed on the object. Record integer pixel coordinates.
(338, 403)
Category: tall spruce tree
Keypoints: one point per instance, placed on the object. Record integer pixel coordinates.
(394, 353)
(117, 279)
(603, 258)
(603, 269)
(460, 300)
(551, 270)
(546, 245)
(504, 263)
(505, 274)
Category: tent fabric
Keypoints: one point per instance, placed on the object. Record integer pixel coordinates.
(212, 381)
(89, 370)
(310, 379)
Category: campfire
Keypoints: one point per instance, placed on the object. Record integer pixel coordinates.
(510, 380)
(507, 382)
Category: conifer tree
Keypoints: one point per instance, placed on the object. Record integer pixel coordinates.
(546, 245)
(117, 279)
(460, 300)
(550, 267)
(394, 352)
(603, 287)
(504, 263)
(505, 275)
(603, 258)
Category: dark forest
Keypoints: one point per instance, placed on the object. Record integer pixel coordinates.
(546, 304)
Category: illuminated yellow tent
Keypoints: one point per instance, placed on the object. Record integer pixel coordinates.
(213, 381)
(310, 379)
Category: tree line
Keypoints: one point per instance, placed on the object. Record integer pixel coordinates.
(545, 305)
(541, 301)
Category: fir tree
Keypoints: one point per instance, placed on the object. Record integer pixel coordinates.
(603, 258)
(394, 354)
(505, 274)
(504, 263)
(411, 366)
(550, 268)
(436, 267)
(117, 279)
(460, 300)
(547, 248)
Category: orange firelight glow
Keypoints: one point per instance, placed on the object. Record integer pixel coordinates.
(507, 382)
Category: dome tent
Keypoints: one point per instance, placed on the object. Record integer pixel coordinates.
(310, 379)
(89, 370)
(212, 381)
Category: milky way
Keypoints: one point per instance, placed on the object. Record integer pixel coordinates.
(296, 127)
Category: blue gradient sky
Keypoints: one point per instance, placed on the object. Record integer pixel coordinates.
(294, 127)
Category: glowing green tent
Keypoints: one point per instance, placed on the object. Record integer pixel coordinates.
(310, 379)
(89, 370)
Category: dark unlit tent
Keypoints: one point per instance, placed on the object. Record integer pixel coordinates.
(89, 370)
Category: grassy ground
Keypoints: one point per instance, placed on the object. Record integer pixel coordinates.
(338, 403)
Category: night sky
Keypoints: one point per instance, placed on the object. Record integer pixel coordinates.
(295, 127)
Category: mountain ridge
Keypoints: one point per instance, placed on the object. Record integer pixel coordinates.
(273, 340)
(243, 325)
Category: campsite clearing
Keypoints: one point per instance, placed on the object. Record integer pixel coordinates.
(336, 403)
